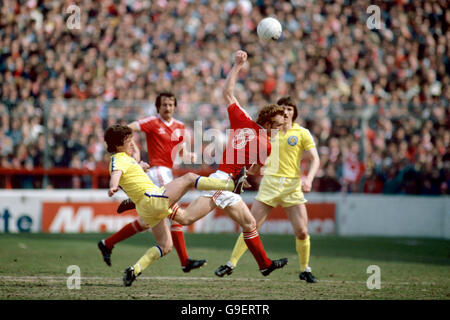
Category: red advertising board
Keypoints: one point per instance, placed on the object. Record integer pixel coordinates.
(78, 217)
(59, 217)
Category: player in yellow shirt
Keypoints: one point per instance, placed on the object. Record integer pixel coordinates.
(281, 184)
(153, 204)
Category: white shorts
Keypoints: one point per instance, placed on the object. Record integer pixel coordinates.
(160, 175)
(221, 198)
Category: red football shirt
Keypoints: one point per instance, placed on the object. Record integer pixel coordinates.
(247, 142)
(162, 138)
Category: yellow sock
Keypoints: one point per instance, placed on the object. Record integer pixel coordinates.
(239, 249)
(303, 247)
(152, 254)
(206, 183)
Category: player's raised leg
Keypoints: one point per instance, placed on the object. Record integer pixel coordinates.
(298, 216)
(181, 186)
(196, 210)
(177, 188)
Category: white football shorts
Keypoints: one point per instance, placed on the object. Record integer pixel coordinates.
(221, 198)
(160, 175)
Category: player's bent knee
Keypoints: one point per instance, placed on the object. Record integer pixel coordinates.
(183, 219)
(251, 222)
(249, 225)
(301, 234)
(166, 248)
(143, 224)
(190, 177)
(188, 221)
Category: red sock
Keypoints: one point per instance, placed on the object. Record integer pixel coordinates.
(176, 230)
(127, 231)
(174, 208)
(256, 247)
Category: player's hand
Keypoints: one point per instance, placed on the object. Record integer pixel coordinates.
(306, 185)
(112, 190)
(240, 57)
(144, 165)
(247, 184)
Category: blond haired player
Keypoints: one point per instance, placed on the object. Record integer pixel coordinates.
(152, 203)
(281, 184)
(248, 145)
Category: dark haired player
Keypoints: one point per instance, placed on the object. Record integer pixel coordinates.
(153, 204)
(164, 136)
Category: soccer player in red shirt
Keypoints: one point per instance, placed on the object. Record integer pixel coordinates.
(249, 146)
(164, 135)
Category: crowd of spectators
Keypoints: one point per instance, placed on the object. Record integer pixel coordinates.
(376, 101)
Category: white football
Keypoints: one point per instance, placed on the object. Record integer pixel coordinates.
(269, 29)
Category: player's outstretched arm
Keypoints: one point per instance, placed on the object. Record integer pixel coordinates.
(114, 182)
(134, 126)
(240, 57)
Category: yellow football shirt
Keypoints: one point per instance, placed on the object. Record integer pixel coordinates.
(287, 151)
(133, 181)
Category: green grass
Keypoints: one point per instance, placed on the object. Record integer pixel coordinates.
(34, 266)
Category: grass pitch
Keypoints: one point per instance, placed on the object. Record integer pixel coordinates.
(34, 266)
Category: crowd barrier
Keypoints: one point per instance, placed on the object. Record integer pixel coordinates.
(95, 174)
(76, 211)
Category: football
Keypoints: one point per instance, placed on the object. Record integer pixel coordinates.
(269, 29)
